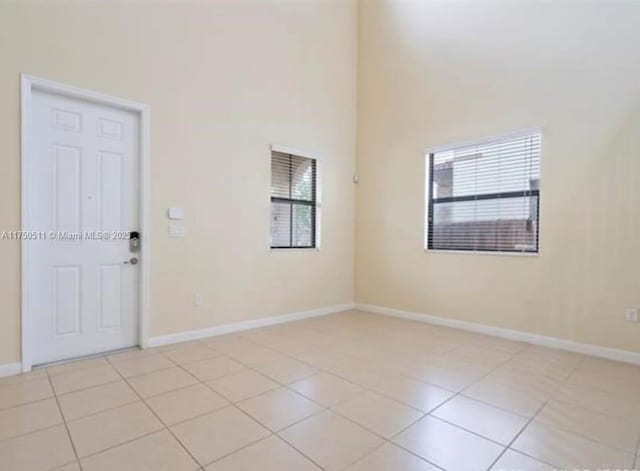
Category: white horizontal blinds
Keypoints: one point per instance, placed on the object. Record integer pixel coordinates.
(293, 201)
(485, 197)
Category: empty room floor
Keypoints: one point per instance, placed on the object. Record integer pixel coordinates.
(353, 391)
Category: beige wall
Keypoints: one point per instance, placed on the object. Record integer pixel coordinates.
(434, 73)
(224, 80)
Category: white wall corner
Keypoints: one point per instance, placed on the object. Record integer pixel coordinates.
(10, 369)
(245, 325)
(518, 335)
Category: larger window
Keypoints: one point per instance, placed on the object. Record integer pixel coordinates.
(293, 201)
(485, 197)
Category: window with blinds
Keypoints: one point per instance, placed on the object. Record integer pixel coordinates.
(293, 201)
(485, 197)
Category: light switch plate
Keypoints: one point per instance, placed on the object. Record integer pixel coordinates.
(175, 214)
(631, 314)
(176, 230)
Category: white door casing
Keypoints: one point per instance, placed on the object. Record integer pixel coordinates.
(84, 180)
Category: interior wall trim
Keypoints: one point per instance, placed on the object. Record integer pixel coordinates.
(510, 334)
(245, 325)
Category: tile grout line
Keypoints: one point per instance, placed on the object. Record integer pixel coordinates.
(253, 419)
(317, 370)
(510, 445)
(25, 434)
(111, 447)
(102, 385)
(154, 413)
(230, 404)
(23, 404)
(107, 410)
(243, 447)
(387, 441)
(460, 393)
(277, 433)
(89, 387)
(456, 394)
(330, 409)
(245, 366)
(145, 402)
(66, 426)
(424, 414)
(368, 388)
(572, 432)
(124, 379)
(551, 397)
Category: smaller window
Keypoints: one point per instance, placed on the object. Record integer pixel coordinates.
(485, 197)
(293, 201)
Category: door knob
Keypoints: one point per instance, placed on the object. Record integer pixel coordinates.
(131, 261)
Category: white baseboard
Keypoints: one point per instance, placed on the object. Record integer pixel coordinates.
(10, 369)
(245, 325)
(536, 339)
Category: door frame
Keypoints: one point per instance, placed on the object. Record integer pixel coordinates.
(29, 83)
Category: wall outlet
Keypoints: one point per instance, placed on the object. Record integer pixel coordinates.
(197, 300)
(631, 314)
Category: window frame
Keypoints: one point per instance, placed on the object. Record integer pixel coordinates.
(429, 200)
(314, 203)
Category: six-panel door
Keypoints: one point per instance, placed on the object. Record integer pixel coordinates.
(83, 194)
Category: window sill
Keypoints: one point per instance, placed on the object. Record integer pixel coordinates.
(479, 252)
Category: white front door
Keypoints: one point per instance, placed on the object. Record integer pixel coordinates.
(84, 202)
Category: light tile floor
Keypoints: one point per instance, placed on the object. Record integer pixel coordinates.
(351, 391)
